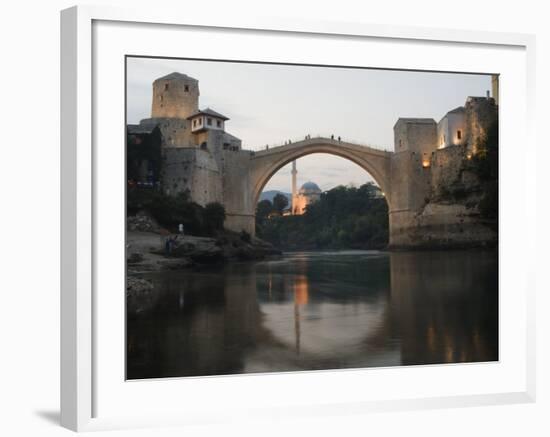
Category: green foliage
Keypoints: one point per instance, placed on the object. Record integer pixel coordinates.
(344, 217)
(170, 211)
(280, 202)
(485, 166)
(245, 236)
(485, 161)
(264, 208)
(140, 150)
(488, 206)
(214, 216)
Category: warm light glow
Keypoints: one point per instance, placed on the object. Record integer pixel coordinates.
(301, 291)
(469, 155)
(425, 163)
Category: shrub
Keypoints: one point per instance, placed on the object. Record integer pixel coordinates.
(214, 216)
(245, 236)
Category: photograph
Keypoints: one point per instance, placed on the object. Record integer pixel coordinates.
(296, 217)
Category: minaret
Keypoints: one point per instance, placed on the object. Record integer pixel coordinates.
(294, 193)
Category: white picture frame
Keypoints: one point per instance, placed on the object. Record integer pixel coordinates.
(86, 377)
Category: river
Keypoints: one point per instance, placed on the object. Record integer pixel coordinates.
(319, 310)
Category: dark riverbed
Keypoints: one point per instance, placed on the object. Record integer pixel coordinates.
(318, 310)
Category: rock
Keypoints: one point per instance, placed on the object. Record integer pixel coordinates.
(200, 250)
(139, 295)
(142, 223)
(210, 255)
(135, 258)
(174, 263)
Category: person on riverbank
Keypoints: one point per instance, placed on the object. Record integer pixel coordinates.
(169, 245)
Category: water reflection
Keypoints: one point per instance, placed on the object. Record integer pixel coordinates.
(319, 311)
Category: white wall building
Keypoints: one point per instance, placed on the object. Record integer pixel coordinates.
(207, 119)
(451, 128)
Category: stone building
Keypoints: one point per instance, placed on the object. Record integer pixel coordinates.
(451, 128)
(428, 161)
(193, 144)
(309, 193)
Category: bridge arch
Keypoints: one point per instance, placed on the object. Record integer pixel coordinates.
(266, 163)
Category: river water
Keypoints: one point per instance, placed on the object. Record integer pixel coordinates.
(319, 310)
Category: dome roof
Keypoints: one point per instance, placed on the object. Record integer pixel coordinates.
(310, 188)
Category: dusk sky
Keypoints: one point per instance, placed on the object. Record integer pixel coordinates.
(270, 104)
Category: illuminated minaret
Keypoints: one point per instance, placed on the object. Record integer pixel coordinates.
(294, 191)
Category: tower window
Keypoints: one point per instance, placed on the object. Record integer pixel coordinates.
(165, 86)
(218, 123)
(459, 134)
(186, 88)
(400, 143)
(194, 122)
(209, 121)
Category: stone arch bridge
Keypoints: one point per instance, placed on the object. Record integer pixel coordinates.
(244, 179)
(264, 164)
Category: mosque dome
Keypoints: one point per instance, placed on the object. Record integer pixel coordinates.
(310, 188)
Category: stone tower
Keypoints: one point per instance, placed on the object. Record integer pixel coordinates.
(175, 96)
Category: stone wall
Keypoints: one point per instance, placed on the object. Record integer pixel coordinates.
(445, 168)
(174, 132)
(193, 170)
(449, 215)
(240, 209)
(415, 135)
(175, 96)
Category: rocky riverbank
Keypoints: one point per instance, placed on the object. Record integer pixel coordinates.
(146, 248)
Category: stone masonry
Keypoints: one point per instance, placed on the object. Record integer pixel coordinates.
(211, 165)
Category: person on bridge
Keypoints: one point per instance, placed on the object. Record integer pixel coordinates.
(332, 137)
(339, 138)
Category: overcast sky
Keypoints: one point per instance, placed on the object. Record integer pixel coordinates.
(269, 104)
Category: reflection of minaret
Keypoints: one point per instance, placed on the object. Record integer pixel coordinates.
(294, 190)
(301, 297)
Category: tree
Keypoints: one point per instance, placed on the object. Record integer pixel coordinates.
(264, 208)
(280, 202)
(344, 217)
(214, 216)
(485, 165)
